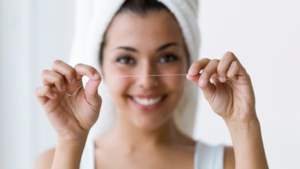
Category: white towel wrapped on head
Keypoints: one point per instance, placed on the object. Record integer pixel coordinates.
(92, 19)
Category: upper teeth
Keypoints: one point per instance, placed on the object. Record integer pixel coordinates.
(147, 102)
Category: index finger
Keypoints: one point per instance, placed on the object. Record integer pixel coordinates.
(86, 70)
(198, 66)
(228, 62)
(64, 69)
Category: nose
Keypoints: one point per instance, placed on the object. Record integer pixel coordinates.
(147, 81)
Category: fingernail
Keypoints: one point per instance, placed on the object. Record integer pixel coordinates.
(192, 71)
(64, 88)
(96, 75)
(221, 79)
(73, 81)
(202, 83)
(54, 95)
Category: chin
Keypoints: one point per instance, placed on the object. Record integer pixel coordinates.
(151, 122)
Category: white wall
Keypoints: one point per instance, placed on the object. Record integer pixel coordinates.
(32, 34)
(263, 34)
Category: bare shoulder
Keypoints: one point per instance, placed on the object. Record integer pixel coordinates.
(229, 161)
(44, 161)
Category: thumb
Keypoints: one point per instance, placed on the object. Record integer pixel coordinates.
(91, 93)
(208, 88)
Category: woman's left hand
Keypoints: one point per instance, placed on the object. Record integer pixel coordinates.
(227, 87)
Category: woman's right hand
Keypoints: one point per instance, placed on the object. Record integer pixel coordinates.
(71, 116)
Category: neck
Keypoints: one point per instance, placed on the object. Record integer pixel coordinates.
(167, 134)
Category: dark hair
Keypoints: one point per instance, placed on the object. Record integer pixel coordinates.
(140, 7)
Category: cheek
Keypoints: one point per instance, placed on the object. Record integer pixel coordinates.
(174, 69)
(175, 86)
(174, 82)
(116, 85)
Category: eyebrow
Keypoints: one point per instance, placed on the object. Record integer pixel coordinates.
(165, 46)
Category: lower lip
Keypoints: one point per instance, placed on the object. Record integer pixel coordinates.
(148, 107)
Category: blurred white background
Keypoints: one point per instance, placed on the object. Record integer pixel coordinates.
(265, 35)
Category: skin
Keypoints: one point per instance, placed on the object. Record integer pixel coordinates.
(140, 134)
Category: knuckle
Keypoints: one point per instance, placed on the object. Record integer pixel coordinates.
(58, 79)
(230, 55)
(78, 65)
(90, 69)
(36, 91)
(194, 64)
(47, 88)
(56, 62)
(39, 91)
(205, 59)
(44, 72)
(200, 62)
(215, 61)
(70, 73)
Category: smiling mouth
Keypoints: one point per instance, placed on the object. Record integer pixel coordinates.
(148, 103)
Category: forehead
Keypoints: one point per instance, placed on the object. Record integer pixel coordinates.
(156, 27)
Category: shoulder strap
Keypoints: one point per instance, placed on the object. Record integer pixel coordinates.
(209, 157)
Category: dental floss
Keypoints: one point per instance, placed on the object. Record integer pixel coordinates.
(124, 76)
(70, 95)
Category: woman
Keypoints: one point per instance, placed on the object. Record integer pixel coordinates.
(145, 37)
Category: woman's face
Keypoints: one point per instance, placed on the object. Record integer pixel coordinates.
(145, 45)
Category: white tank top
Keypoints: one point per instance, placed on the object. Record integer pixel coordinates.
(206, 157)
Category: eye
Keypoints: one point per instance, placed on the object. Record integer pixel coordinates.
(125, 60)
(168, 58)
